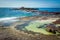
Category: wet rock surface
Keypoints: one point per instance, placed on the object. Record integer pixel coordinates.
(10, 34)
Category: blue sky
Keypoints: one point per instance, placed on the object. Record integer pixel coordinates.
(30, 3)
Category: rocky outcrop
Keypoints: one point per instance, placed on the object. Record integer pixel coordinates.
(57, 21)
(51, 28)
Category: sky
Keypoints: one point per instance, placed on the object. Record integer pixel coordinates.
(30, 3)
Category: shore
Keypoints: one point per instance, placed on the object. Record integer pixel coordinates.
(11, 33)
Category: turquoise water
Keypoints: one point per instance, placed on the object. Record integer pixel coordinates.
(8, 12)
(50, 9)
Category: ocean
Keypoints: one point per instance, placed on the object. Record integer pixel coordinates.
(50, 9)
(8, 13)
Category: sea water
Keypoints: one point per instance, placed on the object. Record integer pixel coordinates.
(50, 9)
(9, 13)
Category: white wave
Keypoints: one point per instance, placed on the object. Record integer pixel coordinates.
(7, 18)
(10, 19)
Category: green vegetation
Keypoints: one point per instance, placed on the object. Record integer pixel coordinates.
(34, 27)
(39, 27)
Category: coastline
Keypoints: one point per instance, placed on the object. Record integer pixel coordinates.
(10, 32)
(13, 33)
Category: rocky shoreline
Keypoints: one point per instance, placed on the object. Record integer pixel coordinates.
(13, 34)
(10, 34)
(36, 10)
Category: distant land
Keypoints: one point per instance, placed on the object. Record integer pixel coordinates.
(37, 10)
